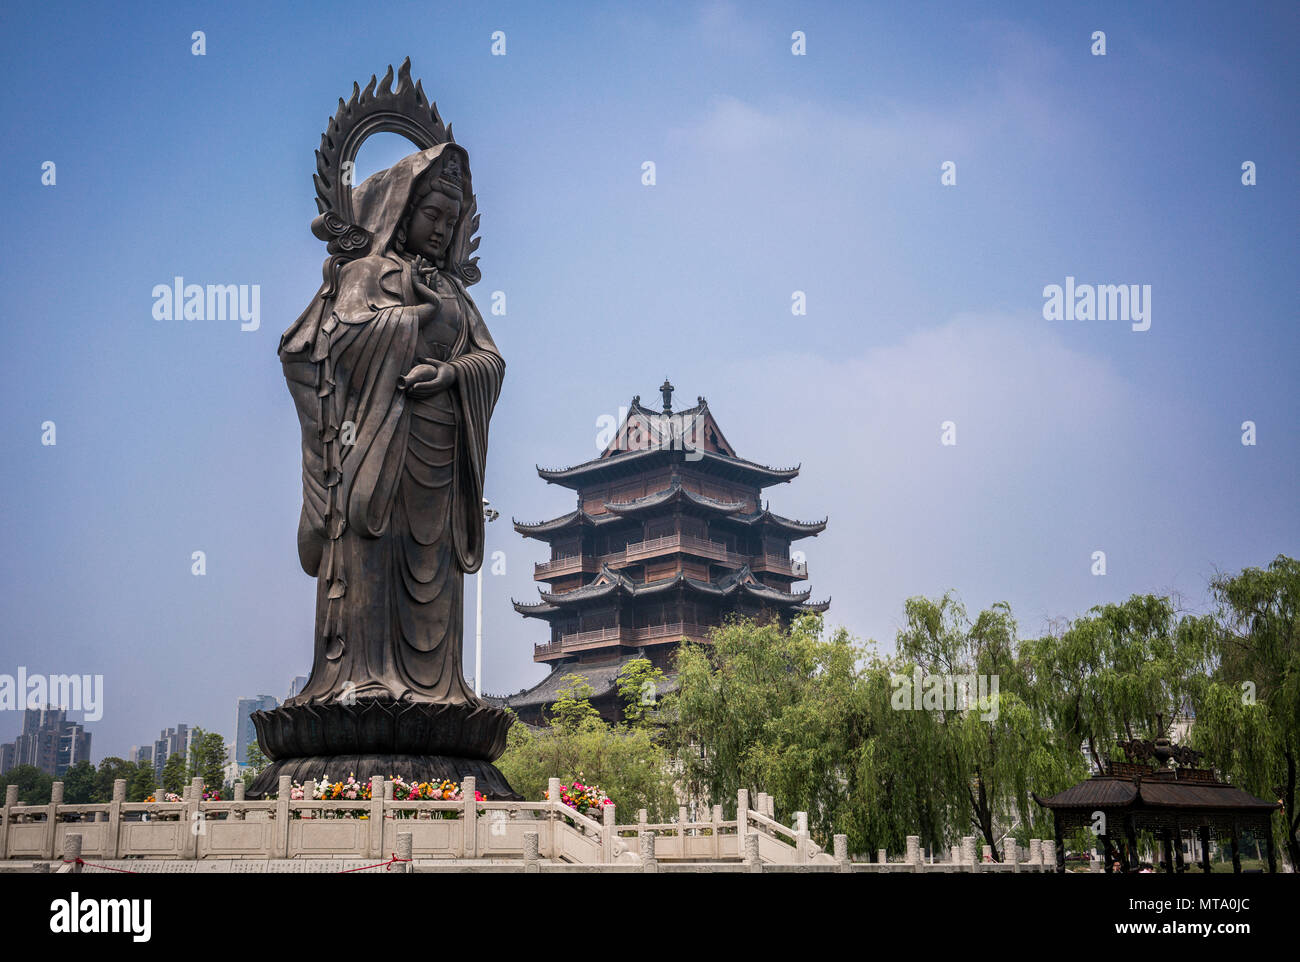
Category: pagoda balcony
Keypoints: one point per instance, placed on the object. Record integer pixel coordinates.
(612, 637)
(780, 564)
(671, 544)
(568, 565)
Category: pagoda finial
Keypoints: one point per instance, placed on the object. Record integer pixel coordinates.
(667, 390)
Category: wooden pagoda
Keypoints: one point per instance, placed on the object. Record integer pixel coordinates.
(669, 536)
(1147, 794)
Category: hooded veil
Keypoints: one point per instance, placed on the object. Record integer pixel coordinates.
(392, 515)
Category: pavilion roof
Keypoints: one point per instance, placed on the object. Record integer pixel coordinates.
(1163, 789)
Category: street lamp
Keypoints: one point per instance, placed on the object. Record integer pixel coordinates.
(488, 515)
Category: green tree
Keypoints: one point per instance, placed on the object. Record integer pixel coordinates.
(111, 769)
(142, 785)
(640, 686)
(572, 704)
(207, 758)
(173, 774)
(991, 755)
(1123, 671)
(79, 783)
(33, 784)
(1248, 711)
(622, 759)
(777, 710)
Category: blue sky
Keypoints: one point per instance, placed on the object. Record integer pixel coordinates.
(775, 173)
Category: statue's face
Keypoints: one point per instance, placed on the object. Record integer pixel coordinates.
(431, 225)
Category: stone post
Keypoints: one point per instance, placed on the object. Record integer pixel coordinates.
(752, 859)
(531, 864)
(717, 831)
(986, 853)
(1035, 851)
(607, 833)
(405, 852)
(648, 861)
(954, 854)
(112, 842)
(742, 819)
(308, 793)
(914, 849)
(52, 819)
(841, 849)
(1011, 854)
(283, 792)
(380, 788)
(11, 799)
(968, 849)
(801, 839)
(71, 853)
(882, 856)
(194, 815)
(237, 813)
(468, 785)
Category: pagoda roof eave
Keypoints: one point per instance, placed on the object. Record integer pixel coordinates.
(591, 472)
(674, 493)
(540, 609)
(799, 529)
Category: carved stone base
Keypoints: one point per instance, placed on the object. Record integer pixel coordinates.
(411, 768)
(418, 741)
(375, 726)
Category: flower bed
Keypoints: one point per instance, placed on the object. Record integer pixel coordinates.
(585, 799)
(403, 791)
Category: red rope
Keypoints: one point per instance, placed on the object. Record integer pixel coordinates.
(78, 861)
(388, 866)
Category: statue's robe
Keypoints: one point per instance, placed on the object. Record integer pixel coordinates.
(392, 515)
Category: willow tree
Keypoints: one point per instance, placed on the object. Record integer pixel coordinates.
(976, 721)
(1122, 671)
(1248, 711)
(778, 710)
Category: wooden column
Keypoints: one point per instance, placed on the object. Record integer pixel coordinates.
(1270, 849)
(1205, 848)
(1134, 860)
(1108, 853)
(1168, 846)
(1236, 849)
(1060, 846)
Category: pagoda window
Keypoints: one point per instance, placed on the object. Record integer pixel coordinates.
(660, 528)
(598, 619)
(695, 527)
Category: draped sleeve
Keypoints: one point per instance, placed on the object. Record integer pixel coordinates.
(480, 371)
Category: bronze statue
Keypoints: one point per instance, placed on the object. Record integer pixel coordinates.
(395, 377)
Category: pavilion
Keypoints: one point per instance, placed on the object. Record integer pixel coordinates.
(1170, 802)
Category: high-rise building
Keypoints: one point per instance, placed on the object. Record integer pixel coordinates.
(49, 741)
(670, 535)
(172, 741)
(295, 686)
(141, 754)
(245, 732)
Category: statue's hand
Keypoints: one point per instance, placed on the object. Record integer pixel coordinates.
(426, 293)
(428, 378)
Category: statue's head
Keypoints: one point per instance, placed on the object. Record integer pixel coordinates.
(434, 210)
(423, 206)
